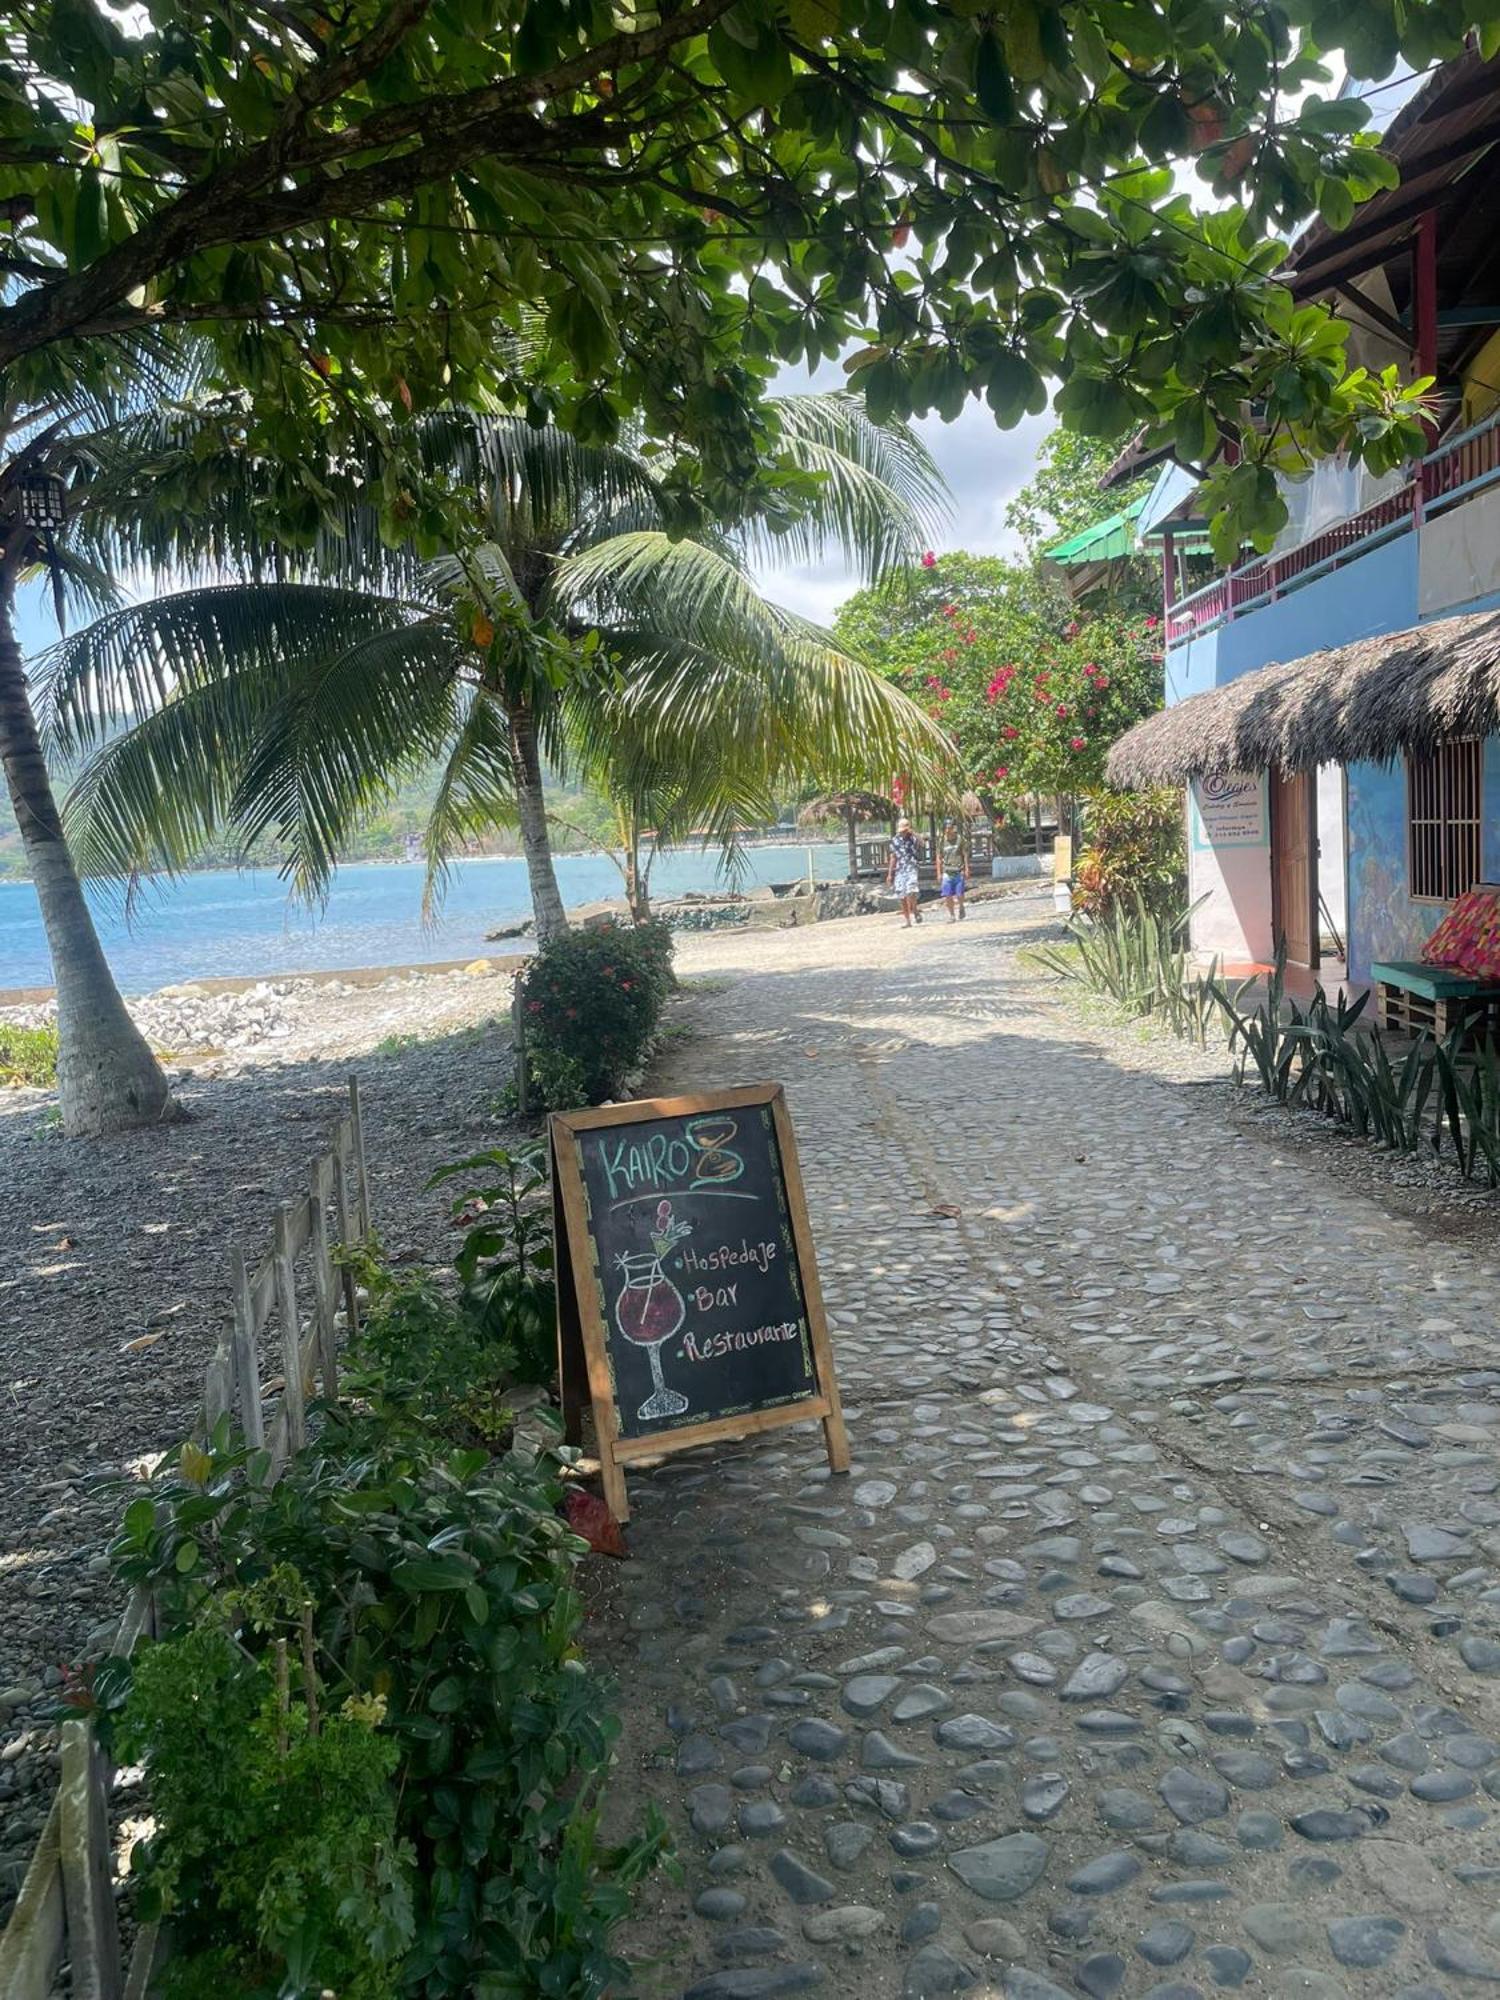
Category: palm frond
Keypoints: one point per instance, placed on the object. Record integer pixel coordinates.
(281, 712)
(134, 659)
(699, 593)
(476, 790)
(879, 499)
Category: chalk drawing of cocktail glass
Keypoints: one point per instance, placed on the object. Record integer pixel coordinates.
(649, 1309)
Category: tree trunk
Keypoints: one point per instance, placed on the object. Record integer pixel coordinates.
(107, 1078)
(853, 850)
(637, 891)
(531, 811)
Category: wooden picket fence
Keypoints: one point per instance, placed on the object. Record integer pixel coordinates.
(65, 1913)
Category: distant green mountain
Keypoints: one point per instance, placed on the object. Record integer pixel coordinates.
(385, 836)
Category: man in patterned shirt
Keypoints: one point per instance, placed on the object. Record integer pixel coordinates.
(901, 871)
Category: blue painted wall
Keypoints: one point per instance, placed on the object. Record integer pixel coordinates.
(1384, 922)
(1376, 594)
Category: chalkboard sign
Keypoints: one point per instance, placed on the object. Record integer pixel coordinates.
(688, 1299)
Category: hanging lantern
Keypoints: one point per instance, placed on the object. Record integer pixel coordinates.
(43, 500)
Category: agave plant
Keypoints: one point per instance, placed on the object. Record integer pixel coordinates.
(569, 626)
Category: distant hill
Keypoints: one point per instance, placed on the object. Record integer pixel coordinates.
(384, 837)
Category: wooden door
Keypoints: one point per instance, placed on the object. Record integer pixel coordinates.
(1294, 865)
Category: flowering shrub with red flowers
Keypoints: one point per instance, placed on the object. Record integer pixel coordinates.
(590, 1001)
(1033, 687)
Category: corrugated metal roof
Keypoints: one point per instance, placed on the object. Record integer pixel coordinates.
(1106, 541)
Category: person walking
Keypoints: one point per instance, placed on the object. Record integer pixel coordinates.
(901, 871)
(953, 869)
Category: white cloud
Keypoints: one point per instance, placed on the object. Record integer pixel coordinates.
(984, 466)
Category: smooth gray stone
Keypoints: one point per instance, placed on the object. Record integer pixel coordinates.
(1286, 1930)
(761, 1818)
(1104, 1874)
(1456, 1952)
(1363, 1941)
(1101, 1976)
(844, 1924)
(1259, 1831)
(1246, 1770)
(920, 1702)
(1043, 1795)
(920, 1922)
(1001, 1870)
(879, 1753)
(817, 1739)
(846, 1840)
(1193, 1796)
(1166, 1943)
(1124, 1810)
(1328, 1823)
(757, 1982)
(718, 1905)
(710, 1808)
(803, 1884)
(1096, 1677)
(886, 1795)
(934, 1970)
(866, 1692)
(919, 1837)
(697, 1753)
(749, 1941)
(816, 1789)
(973, 1732)
(1022, 1984)
(1228, 1964)
(1481, 1656)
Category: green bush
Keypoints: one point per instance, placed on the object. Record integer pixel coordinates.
(1134, 849)
(28, 1055)
(430, 1588)
(590, 1002)
(274, 1854)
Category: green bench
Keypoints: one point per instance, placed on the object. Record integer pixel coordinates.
(1413, 997)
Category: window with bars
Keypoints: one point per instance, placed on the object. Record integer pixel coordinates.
(1444, 810)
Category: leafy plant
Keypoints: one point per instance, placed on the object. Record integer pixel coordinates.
(28, 1056)
(274, 1854)
(441, 1579)
(506, 1261)
(591, 1000)
(1135, 847)
(1139, 961)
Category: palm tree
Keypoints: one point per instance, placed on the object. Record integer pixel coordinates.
(571, 625)
(51, 415)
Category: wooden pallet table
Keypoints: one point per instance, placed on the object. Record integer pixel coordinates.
(1414, 998)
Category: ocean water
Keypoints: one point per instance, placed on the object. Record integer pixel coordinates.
(226, 924)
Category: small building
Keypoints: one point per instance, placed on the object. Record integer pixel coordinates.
(1334, 704)
(1408, 723)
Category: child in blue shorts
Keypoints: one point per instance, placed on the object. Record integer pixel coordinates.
(953, 869)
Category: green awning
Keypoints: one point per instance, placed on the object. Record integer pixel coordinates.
(1106, 541)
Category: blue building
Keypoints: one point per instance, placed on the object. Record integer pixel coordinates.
(1385, 802)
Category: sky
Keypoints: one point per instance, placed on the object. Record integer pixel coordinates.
(985, 468)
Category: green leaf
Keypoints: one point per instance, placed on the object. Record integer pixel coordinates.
(992, 85)
(433, 1573)
(476, 1604)
(186, 1557)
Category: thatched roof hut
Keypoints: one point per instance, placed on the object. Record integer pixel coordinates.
(1367, 702)
(851, 808)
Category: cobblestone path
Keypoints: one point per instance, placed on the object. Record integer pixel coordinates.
(1152, 1646)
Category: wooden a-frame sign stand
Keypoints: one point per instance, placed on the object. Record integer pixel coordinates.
(584, 1366)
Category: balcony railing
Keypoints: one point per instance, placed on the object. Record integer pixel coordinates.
(1459, 466)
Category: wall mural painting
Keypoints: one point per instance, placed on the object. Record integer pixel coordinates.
(1384, 922)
